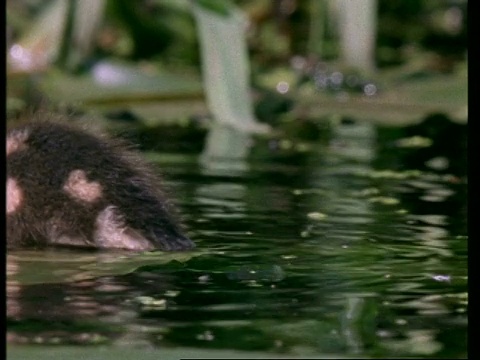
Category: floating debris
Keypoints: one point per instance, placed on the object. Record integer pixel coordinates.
(316, 216)
(414, 142)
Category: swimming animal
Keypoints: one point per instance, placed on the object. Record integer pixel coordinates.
(66, 186)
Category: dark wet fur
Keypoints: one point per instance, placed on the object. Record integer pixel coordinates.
(53, 150)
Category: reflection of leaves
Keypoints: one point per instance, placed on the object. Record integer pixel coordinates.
(272, 273)
(421, 342)
(58, 266)
(45, 352)
(312, 334)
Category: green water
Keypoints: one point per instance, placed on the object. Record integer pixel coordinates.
(351, 249)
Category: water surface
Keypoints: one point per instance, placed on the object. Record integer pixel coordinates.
(345, 250)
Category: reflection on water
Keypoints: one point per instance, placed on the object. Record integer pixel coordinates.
(335, 254)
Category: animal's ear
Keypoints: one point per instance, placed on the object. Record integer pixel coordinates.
(111, 232)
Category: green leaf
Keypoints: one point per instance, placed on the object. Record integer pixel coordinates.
(221, 7)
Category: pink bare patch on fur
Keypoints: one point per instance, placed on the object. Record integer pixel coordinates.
(14, 196)
(80, 188)
(111, 232)
(16, 141)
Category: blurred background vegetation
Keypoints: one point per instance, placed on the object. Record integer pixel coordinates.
(138, 64)
(345, 231)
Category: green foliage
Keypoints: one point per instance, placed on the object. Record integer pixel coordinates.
(221, 7)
